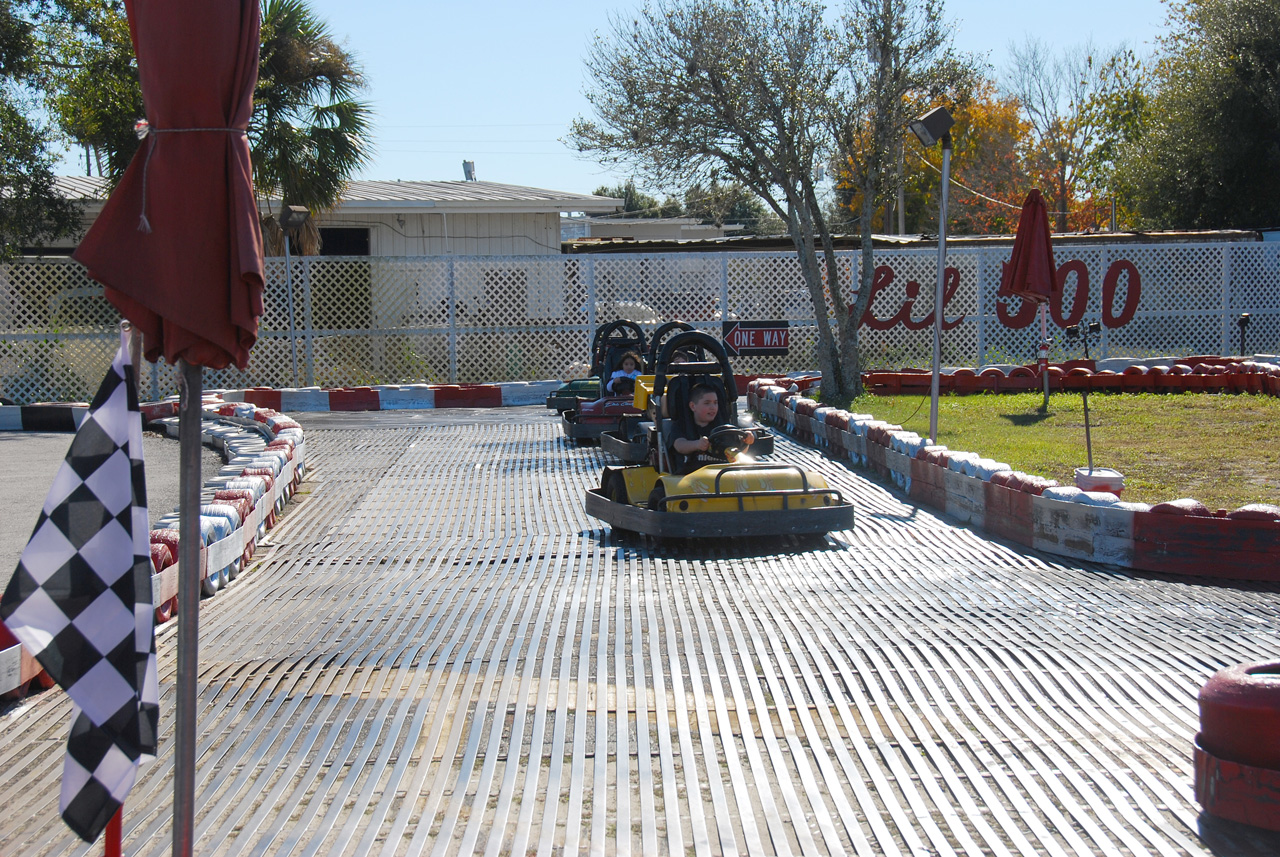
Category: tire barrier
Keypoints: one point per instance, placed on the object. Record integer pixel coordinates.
(1237, 752)
(388, 397)
(264, 453)
(1178, 537)
(1188, 375)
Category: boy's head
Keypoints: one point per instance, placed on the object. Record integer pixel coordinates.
(704, 404)
(624, 387)
(681, 356)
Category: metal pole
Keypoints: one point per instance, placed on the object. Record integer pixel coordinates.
(1044, 350)
(937, 292)
(135, 355)
(184, 779)
(902, 190)
(309, 325)
(1088, 441)
(453, 323)
(288, 284)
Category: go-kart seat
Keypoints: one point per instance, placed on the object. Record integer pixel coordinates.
(612, 358)
(679, 420)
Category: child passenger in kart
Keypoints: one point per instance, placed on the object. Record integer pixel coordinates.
(623, 381)
(692, 448)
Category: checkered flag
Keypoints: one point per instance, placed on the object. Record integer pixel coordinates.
(80, 601)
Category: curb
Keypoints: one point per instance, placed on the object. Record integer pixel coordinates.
(390, 397)
(1172, 538)
(265, 453)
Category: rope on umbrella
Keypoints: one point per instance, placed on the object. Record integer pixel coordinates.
(143, 129)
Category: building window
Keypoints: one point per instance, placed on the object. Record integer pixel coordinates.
(344, 242)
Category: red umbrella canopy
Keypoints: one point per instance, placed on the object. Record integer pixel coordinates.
(1030, 272)
(178, 247)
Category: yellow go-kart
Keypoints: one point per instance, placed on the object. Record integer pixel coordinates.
(735, 496)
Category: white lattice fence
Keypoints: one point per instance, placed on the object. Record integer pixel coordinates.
(444, 319)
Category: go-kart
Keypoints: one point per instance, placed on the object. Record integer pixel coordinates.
(739, 497)
(588, 419)
(570, 393)
(629, 442)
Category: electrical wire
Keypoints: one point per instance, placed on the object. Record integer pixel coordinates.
(937, 170)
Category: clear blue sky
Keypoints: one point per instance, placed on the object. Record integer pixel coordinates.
(498, 82)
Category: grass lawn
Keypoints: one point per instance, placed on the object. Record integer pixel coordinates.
(1218, 449)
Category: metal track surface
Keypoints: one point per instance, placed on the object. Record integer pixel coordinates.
(441, 654)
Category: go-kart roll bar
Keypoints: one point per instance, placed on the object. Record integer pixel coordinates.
(804, 479)
(784, 493)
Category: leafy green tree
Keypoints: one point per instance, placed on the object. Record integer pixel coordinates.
(90, 81)
(31, 211)
(685, 91)
(1117, 110)
(636, 202)
(309, 132)
(729, 202)
(1208, 154)
(897, 55)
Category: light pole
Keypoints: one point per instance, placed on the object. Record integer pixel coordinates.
(292, 217)
(930, 128)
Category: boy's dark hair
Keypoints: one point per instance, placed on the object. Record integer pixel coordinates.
(698, 390)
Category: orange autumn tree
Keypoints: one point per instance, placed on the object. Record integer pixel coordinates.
(987, 167)
(989, 171)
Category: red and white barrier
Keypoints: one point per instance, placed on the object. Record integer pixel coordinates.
(266, 454)
(1180, 537)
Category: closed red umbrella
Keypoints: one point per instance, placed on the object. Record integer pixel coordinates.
(178, 246)
(179, 252)
(1030, 272)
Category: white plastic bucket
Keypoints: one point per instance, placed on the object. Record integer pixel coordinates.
(1100, 479)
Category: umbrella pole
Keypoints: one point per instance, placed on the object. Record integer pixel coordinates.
(184, 781)
(1044, 350)
(1088, 441)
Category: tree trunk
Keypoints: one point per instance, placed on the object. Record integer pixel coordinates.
(828, 349)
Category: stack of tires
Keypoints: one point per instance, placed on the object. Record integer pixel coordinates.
(1237, 753)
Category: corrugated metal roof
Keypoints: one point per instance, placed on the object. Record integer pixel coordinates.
(853, 242)
(412, 195)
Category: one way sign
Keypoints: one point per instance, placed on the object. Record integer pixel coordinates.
(756, 338)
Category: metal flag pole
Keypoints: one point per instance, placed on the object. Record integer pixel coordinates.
(112, 844)
(938, 291)
(184, 781)
(931, 128)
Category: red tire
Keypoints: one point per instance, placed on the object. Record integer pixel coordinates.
(1240, 714)
(166, 610)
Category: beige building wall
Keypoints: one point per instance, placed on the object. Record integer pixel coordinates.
(439, 234)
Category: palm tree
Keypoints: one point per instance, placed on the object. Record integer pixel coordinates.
(308, 133)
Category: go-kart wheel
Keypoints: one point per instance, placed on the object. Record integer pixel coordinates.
(656, 496)
(615, 488)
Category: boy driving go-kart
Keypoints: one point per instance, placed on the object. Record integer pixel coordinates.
(702, 477)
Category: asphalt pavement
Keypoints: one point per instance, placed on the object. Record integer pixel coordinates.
(30, 460)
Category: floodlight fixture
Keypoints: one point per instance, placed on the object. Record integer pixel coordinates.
(293, 216)
(934, 126)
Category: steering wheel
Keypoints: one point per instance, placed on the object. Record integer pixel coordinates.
(728, 439)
